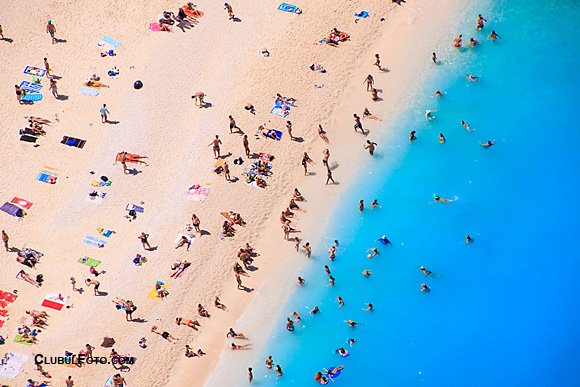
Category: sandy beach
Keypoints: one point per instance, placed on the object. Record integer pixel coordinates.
(220, 58)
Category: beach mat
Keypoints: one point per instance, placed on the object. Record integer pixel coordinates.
(12, 209)
(155, 27)
(71, 141)
(18, 339)
(134, 207)
(53, 301)
(89, 261)
(46, 177)
(89, 91)
(103, 232)
(109, 382)
(194, 14)
(279, 111)
(32, 87)
(28, 138)
(108, 40)
(278, 134)
(290, 8)
(197, 194)
(8, 297)
(12, 363)
(90, 240)
(32, 97)
(153, 292)
(30, 70)
(52, 305)
(22, 203)
(218, 166)
(361, 14)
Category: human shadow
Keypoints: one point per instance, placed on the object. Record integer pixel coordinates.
(139, 320)
(311, 173)
(225, 156)
(102, 294)
(154, 248)
(297, 139)
(62, 97)
(251, 268)
(384, 70)
(80, 290)
(57, 40)
(206, 105)
(112, 122)
(246, 289)
(9, 40)
(13, 250)
(134, 171)
(235, 179)
(204, 232)
(333, 165)
(57, 77)
(237, 19)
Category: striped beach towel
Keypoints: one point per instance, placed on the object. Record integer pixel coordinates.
(32, 87)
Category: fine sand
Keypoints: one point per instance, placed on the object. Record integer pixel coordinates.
(220, 58)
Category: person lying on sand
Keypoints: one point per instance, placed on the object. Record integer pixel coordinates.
(180, 269)
(243, 346)
(22, 275)
(231, 333)
(160, 291)
(36, 313)
(184, 241)
(202, 312)
(163, 334)
(217, 303)
(281, 99)
(39, 120)
(190, 323)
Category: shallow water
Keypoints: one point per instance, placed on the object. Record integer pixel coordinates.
(503, 310)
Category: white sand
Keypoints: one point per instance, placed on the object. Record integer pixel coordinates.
(220, 58)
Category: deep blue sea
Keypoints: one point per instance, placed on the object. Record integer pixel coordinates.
(504, 310)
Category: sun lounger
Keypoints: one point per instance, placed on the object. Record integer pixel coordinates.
(12, 209)
(89, 261)
(90, 240)
(290, 8)
(71, 141)
(30, 70)
(32, 87)
(22, 203)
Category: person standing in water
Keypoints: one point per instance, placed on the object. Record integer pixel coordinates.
(269, 362)
(371, 147)
(425, 288)
(480, 21)
(457, 41)
(361, 206)
(250, 375)
(493, 35)
(412, 136)
(308, 249)
(468, 240)
(441, 138)
(434, 58)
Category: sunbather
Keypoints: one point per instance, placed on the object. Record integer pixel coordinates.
(160, 291)
(180, 269)
(36, 313)
(28, 338)
(22, 275)
(227, 229)
(190, 323)
(202, 312)
(90, 82)
(218, 304)
(184, 241)
(27, 261)
(290, 100)
(297, 196)
(239, 270)
(39, 120)
(238, 220)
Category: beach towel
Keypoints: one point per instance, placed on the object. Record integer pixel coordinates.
(28, 138)
(54, 301)
(194, 14)
(155, 27)
(3, 312)
(30, 70)
(31, 97)
(26, 320)
(2, 321)
(89, 261)
(269, 133)
(18, 339)
(129, 158)
(89, 91)
(361, 14)
(266, 156)
(8, 297)
(71, 141)
(46, 177)
(197, 194)
(134, 207)
(90, 240)
(101, 183)
(32, 87)
(218, 167)
(96, 197)
(290, 8)
(12, 209)
(103, 232)
(12, 363)
(110, 41)
(22, 203)
(109, 382)
(153, 292)
(280, 111)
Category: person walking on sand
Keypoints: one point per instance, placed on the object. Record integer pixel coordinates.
(104, 113)
(329, 177)
(5, 239)
(53, 87)
(51, 29)
(195, 222)
(228, 8)
(233, 124)
(371, 147)
(326, 154)
(377, 62)
(47, 68)
(95, 283)
(143, 237)
(246, 145)
(69, 382)
(2, 33)
(198, 97)
(357, 123)
(369, 80)
(361, 206)
(226, 171)
(216, 146)
(289, 127)
(434, 58)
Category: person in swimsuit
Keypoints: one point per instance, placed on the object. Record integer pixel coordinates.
(315, 310)
(472, 42)
(301, 281)
(369, 307)
(228, 8)
(95, 283)
(243, 346)
(457, 41)
(370, 146)
(377, 62)
(202, 312)
(425, 288)
(434, 58)
(326, 154)
(297, 243)
(163, 334)
(351, 323)
(480, 21)
(488, 144)
(438, 93)
(425, 271)
(375, 203)
(233, 124)
(428, 115)
(297, 195)
(441, 138)
(269, 362)
(375, 252)
(436, 199)
(322, 134)
(471, 78)
(216, 146)
(289, 127)
(367, 114)
(278, 370)
(308, 249)
(195, 223)
(296, 316)
(329, 177)
(289, 324)
(118, 381)
(340, 301)
(19, 93)
(374, 94)
(367, 273)
(198, 97)
(231, 333)
(357, 123)
(331, 279)
(331, 253)
(384, 240)
(342, 352)
(143, 237)
(246, 145)
(466, 126)
(369, 80)
(468, 240)
(412, 136)
(51, 29)
(493, 36)
(361, 206)
(190, 323)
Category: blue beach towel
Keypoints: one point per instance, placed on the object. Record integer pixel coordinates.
(30, 70)
(362, 14)
(12, 209)
(90, 240)
(278, 134)
(290, 8)
(134, 207)
(89, 91)
(32, 97)
(279, 111)
(33, 87)
(44, 177)
(110, 41)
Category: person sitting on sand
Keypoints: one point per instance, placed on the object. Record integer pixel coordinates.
(190, 323)
(36, 313)
(180, 269)
(28, 338)
(160, 291)
(374, 94)
(163, 334)
(217, 303)
(28, 278)
(202, 312)
(239, 220)
(367, 114)
(297, 195)
(289, 101)
(231, 333)
(184, 241)
(227, 229)
(27, 261)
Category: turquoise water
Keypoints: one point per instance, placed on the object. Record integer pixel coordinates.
(502, 311)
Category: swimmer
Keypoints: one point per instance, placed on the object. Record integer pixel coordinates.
(375, 203)
(301, 281)
(438, 93)
(480, 21)
(331, 279)
(493, 36)
(352, 323)
(342, 352)
(457, 41)
(428, 115)
(296, 316)
(289, 325)
(441, 138)
(361, 206)
(384, 240)
(327, 269)
(488, 144)
(466, 126)
(436, 198)
(374, 250)
(278, 370)
(473, 42)
(331, 254)
(425, 288)
(412, 136)
(351, 341)
(434, 58)
(333, 371)
(367, 273)
(471, 78)
(369, 307)
(425, 271)
(320, 378)
(468, 240)
(315, 310)
(340, 301)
